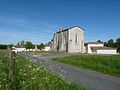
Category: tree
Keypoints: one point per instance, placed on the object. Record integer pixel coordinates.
(18, 43)
(29, 45)
(105, 44)
(110, 43)
(99, 41)
(118, 50)
(118, 42)
(118, 45)
(41, 46)
(2, 46)
(22, 42)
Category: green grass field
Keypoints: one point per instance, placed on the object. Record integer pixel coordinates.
(30, 76)
(105, 64)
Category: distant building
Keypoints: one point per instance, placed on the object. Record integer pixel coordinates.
(19, 48)
(98, 48)
(69, 40)
(47, 48)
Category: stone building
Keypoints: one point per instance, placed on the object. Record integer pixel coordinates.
(69, 40)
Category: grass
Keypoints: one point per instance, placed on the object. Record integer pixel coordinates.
(106, 64)
(30, 76)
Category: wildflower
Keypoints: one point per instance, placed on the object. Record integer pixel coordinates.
(16, 61)
(37, 68)
(20, 70)
(59, 67)
(62, 70)
(29, 66)
(53, 65)
(33, 78)
(25, 74)
(46, 78)
(43, 78)
(30, 60)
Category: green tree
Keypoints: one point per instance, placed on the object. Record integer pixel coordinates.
(118, 45)
(18, 43)
(110, 43)
(23, 43)
(105, 44)
(41, 46)
(2, 46)
(100, 41)
(29, 45)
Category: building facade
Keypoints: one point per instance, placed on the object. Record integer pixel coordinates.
(69, 40)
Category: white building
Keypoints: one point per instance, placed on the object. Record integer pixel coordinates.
(98, 48)
(19, 48)
(69, 40)
(47, 48)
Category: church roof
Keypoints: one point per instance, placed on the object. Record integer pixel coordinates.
(70, 28)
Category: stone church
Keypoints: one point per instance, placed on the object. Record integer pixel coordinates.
(69, 40)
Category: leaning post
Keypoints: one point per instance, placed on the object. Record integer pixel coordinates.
(11, 63)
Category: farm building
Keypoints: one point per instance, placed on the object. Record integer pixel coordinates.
(69, 40)
(98, 48)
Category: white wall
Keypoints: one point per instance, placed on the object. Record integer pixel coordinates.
(47, 49)
(106, 52)
(93, 45)
(72, 45)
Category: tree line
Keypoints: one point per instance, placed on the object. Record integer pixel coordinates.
(27, 45)
(30, 45)
(3, 46)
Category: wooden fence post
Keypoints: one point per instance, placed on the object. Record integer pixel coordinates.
(11, 64)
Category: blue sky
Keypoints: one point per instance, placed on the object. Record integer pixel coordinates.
(37, 20)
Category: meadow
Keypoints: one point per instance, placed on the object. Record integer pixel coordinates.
(105, 64)
(31, 76)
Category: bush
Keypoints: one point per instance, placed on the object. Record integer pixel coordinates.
(2, 46)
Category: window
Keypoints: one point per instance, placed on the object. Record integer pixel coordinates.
(75, 38)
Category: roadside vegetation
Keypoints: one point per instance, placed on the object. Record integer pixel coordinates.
(105, 64)
(30, 76)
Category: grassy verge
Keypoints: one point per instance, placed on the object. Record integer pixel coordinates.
(30, 76)
(105, 64)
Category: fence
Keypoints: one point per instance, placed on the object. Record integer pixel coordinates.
(11, 63)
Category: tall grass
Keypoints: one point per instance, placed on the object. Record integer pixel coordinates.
(30, 76)
(105, 64)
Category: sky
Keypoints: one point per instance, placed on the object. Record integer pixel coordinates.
(38, 20)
